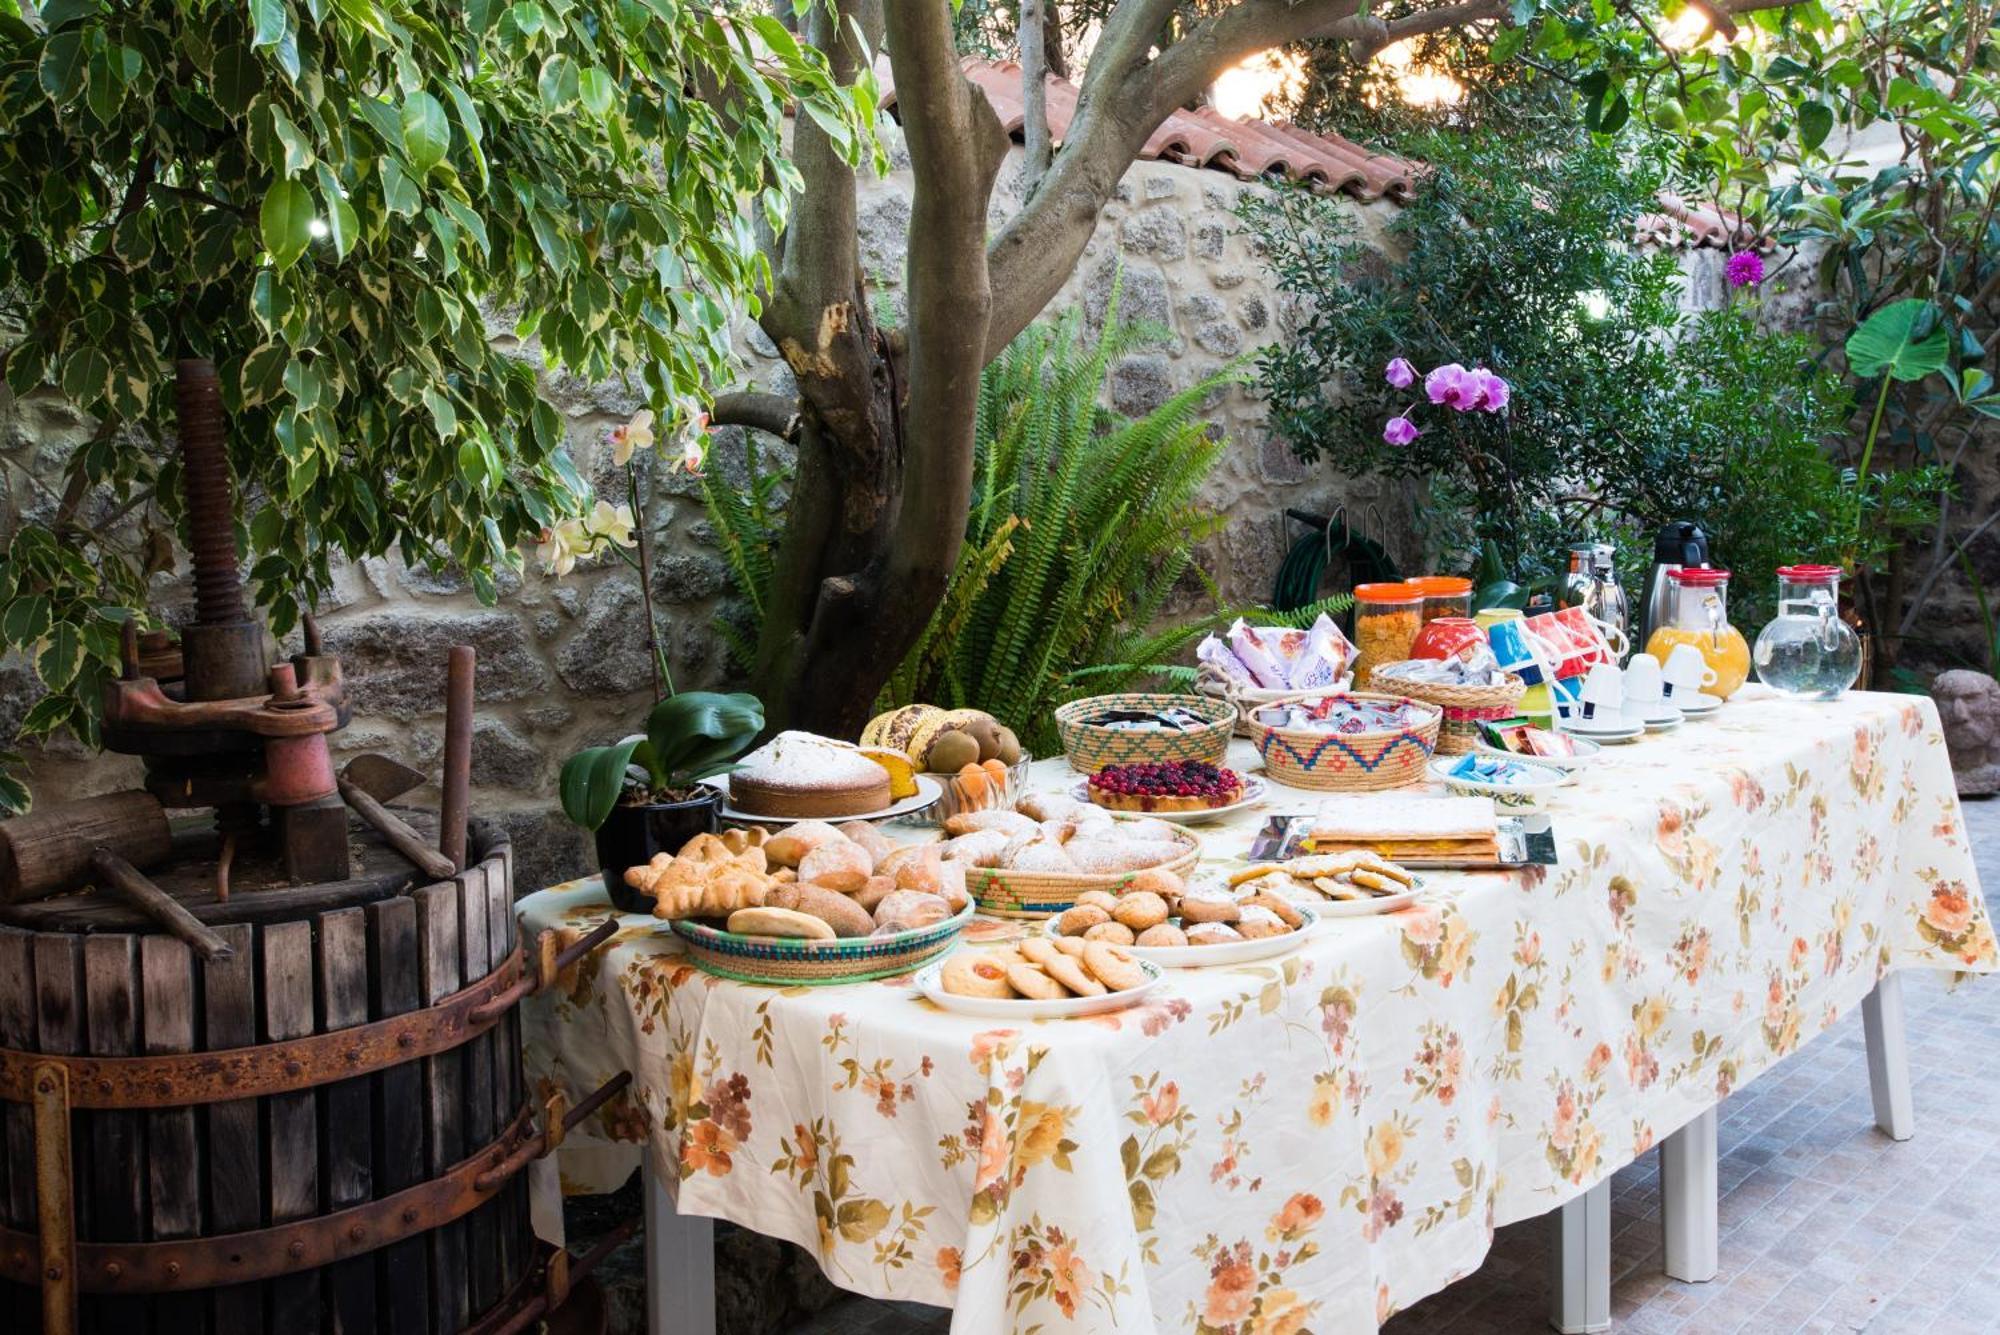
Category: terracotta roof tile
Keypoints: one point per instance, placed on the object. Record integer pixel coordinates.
(1697, 226)
(1247, 149)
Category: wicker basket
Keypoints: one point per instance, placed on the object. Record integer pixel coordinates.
(1350, 762)
(1465, 707)
(1090, 749)
(1043, 894)
(783, 962)
(1248, 699)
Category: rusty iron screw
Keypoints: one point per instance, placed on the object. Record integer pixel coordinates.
(296, 1250)
(113, 1269)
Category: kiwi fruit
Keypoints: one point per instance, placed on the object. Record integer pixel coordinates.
(986, 731)
(952, 751)
(1008, 751)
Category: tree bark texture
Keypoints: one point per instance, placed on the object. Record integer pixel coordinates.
(884, 419)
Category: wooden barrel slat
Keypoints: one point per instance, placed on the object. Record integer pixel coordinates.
(482, 1248)
(395, 971)
(233, 1161)
(291, 1121)
(77, 982)
(349, 1112)
(173, 1145)
(17, 1031)
(440, 944)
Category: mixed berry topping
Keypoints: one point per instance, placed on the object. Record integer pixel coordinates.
(1169, 778)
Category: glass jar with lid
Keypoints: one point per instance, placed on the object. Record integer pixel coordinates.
(1697, 613)
(1444, 596)
(1386, 620)
(1807, 651)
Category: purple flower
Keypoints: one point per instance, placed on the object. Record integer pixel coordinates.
(1451, 385)
(1745, 269)
(1399, 430)
(1400, 373)
(1492, 392)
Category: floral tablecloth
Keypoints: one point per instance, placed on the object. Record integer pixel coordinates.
(1315, 1142)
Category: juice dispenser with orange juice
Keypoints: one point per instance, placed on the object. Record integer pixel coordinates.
(1697, 613)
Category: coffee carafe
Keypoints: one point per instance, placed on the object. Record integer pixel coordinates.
(1591, 583)
(1679, 544)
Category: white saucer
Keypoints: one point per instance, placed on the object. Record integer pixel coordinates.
(1698, 706)
(1607, 728)
(1658, 716)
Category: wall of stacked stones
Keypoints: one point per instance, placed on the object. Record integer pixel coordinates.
(563, 663)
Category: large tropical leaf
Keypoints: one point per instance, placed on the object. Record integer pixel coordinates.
(1905, 340)
(697, 733)
(593, 779)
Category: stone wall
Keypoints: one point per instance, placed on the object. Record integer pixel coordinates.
(562, 662)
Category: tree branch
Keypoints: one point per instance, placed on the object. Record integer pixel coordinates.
(770, 413)
(956, 146)
(1035, 136)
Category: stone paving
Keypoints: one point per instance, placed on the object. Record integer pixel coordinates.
(1827, 1225)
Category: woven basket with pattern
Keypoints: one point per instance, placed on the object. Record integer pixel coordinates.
(1043, 894)
(1465, 707)
(1090, 749)
(1350, 762)
(785, 962)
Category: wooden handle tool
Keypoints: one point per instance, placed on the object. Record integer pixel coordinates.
(157, 904)
(396, 832)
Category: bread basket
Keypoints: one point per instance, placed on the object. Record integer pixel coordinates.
(1005, 893)
(1350, 762)
(1089, 749)
(785, 962)
(1465, 707)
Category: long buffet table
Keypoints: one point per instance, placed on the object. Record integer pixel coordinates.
(1321, 1140)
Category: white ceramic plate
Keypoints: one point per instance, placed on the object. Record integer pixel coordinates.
(1254, 789)
(1698, 706)
(1370, 907)
(930, 982)
(1665, 720)
(1586, 751)
(928, 792)
(1232, 952)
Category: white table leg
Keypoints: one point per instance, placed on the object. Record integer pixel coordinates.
(1688, 1200)
(1888, 1058)
(680, 1265)
(1580, 1264)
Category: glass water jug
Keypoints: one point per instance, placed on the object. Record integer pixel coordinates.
(1696, 612)
(1807, 651)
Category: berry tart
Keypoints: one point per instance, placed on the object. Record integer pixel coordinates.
(1170, 785)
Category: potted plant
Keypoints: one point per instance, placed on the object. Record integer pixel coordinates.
(644, 795)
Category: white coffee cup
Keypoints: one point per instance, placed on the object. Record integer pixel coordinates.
(1686, 672)
(1603, 693)
(1642, 680)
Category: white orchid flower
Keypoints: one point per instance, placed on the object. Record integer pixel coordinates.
(626, 440)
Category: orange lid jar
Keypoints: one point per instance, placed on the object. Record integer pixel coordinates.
(1386, 620)
(1444, 596)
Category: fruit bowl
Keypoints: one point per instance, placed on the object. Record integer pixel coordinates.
(962, 795)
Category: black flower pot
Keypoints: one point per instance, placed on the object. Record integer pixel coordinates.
(631, 835)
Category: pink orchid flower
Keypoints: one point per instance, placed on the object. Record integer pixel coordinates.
(1451, 385)
(1400, 430)
(1400, 373)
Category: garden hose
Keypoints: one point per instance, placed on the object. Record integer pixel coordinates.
(1304, 566)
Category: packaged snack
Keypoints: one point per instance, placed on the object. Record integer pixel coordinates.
(1324, 659)
(1213, 653)
(1265, 652)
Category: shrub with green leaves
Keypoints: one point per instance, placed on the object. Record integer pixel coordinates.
(1625, 413)
(336, 203)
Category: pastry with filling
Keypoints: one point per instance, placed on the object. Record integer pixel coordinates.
(1174, 785)
(796, 774)
(1409, 828)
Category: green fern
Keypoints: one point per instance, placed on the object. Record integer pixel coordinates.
(1096, 521)
(747, 526)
